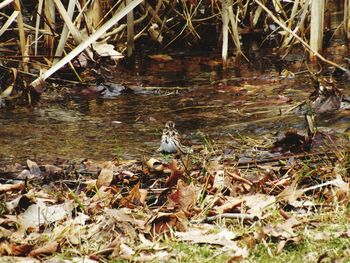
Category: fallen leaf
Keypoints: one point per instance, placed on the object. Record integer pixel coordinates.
(175, 174)
(222, 238)
(185, 196)
(133, 199)
(40, 213)
(106, 50)
(105, 177)
(21, 250)
(258, 203)
(11, 187)
(48, 249)
(164, 222)
(33, 168)
(161, 58)
(282, 230)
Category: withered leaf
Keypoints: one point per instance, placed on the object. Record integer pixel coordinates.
(47, 249)
(106, 175)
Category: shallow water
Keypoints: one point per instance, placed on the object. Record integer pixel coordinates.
(193, 91)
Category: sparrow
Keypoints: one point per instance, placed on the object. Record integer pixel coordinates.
(326, 98)
(171, 140)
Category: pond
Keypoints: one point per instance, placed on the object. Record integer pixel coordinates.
(191, 90)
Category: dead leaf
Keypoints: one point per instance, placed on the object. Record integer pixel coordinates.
(258, 203)
(11, 187)
(33, 168)
(161, 58)
(40, 213)
(228, 204)
(185, 196)
(282, 230)
(222, 238)
(107, 50)
(133, 199)
(21, 250)
(175, 174)
(48, 249)
(52, 169)
(154, 164)
(105, 177)
(126, 252)
(163, 222)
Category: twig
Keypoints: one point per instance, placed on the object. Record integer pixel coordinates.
(239, 178)
(255, 163)
(231, 215)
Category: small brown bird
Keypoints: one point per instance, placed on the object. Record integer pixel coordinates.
(171, 140)
(326, 98)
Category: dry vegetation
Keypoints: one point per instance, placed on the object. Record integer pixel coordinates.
(41, 37)
(248, 203)
(201, 206)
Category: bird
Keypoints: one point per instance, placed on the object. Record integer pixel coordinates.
(171, 141)
(326, 98)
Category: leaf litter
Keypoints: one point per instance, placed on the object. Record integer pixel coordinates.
(97, 211)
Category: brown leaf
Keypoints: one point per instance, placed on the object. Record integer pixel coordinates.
(106, 175)
(33, 168)
(133, 199)
(21, 250)
(161, 58)
(166, 221)
(282, 230)
(175, 174)
(48, 249)
(229, 204)
(52, 169)
(258, 203)
(185, 196)
(10, 187)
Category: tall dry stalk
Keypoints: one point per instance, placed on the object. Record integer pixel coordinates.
(130, 31)
(50, 22)
(65, 32)
(347, 18)
(225, 20)
(22, 37)
(299, 27)
(306, 45)
(37, 25)
(86, 43)
(317, 25)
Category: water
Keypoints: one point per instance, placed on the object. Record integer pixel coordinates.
(192, 91)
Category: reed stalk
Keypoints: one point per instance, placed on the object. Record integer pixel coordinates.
(225, 20)
(83, 45)
(347, 19)
(50, 22)
(22, 37)
(65, 32)
(306, 45)
(317, 25)
(130, 31)
(9, 22)
(37, 25)
(5, 3)
(68, 21)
